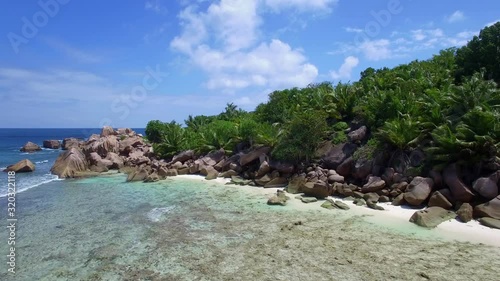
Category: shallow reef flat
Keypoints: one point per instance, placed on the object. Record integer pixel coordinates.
(186, 229)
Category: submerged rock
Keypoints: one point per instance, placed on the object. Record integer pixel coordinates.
(279, 199)
(23, 166)
(309, 199)
(341, 205)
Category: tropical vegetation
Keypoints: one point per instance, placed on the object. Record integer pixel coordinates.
(447, 107)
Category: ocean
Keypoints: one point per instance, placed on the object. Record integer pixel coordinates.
(187, 228)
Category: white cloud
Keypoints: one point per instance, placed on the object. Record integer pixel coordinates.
(418, 35)
(156, 6)
(225, 42)
(275, 64)
(301, 5)
(455, 17)
(421, 34)
(376, 49)
(345, 69)
(353, 29)
(492, 23)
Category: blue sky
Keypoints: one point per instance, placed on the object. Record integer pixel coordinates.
(75, 63)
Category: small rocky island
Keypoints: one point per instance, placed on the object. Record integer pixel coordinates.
(337, 174)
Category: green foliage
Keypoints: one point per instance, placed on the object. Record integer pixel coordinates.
(301, 138)
(368, 150)
(339, 135)
(421, 105)
(402, 133)
(172, 141)
(155, 131)
(218, 134)
(481, 52)
(197, 122)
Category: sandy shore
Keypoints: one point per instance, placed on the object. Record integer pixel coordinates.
(395, 218)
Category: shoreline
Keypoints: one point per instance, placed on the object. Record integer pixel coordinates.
(393, 217)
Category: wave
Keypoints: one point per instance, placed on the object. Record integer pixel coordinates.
(31, 183)
(41, 162)
(155, 214)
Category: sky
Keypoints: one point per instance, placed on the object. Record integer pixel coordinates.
(86, 64)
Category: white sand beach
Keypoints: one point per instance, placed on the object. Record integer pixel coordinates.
(393, 217)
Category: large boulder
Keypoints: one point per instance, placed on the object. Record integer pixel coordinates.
(212, 158)
(137, 158)
(102, 146)
(277, 182)
(296, 183)
(282, 167)
(69, 143)
(211, 173)
(431, 217)
(139, 174)
(116, 160)
(262, 181)
(264, 168)
(30, 147)
(97, 164)
(459, 190)
(490, 222)
(487, 186)
(358, 135)
(337, 155)
(125, 131)
(23, 166)
(373, 184)
(254, 154)
(128, 144)
(183, 156)
(439, 200)
(108, 131)
(465, 212)
(318, 189)
(418, 190)
(489, 209)
(51, 144)
(362, 168)
(70, 164)
(345, 168)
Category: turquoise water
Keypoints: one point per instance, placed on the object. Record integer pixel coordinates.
(187, 229)
(77, 229)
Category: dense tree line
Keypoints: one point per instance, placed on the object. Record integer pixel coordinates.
(447, 106)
